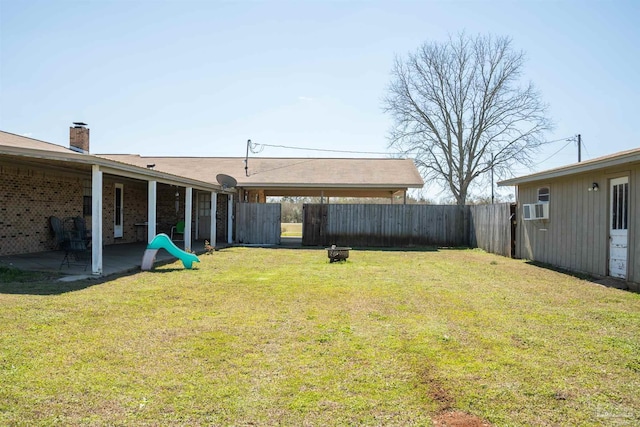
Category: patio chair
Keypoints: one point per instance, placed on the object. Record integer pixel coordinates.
(58, 231)
(178, 229)
(80, 226)
(74, 244)
(76, 252)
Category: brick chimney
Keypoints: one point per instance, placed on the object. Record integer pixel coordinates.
(79, 138)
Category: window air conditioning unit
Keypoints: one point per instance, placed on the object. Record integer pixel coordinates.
(536, 211)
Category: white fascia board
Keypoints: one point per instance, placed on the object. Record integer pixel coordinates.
(573, 169)
(161, 177)
(249, 186)
(113, 167)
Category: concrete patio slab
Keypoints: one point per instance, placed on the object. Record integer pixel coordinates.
(116, 259)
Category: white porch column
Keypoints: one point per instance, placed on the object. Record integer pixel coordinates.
(230, 219)
(188, 214)
(151, 210)
(96, 220)
(214, 215)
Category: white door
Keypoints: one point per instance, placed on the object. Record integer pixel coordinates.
(118, 211)
(204, 215)
(618, 239)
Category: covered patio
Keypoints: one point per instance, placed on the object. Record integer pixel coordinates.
(44, 184)
(116, 259)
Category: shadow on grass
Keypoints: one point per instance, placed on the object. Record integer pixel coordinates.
(26, 282)
(358, 248)
(610, 282)
(46, 287)
(583, 276)
(18, 282)
(169, 270)
(397, 249)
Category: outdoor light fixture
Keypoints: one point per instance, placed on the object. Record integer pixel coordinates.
(594, 187)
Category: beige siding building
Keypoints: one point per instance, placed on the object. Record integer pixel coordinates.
(584, 217)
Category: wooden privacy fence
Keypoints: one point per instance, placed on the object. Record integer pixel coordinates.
(384, 225)
(258, 223)
(491, 227)
(487, 226)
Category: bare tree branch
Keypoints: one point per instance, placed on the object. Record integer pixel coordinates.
(459, 106)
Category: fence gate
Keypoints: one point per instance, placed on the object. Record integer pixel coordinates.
(314, 224)
(258, 223)
(491, 227)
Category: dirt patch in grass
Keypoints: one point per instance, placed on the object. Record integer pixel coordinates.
(435, 389)
(458, 419)
(447, 416)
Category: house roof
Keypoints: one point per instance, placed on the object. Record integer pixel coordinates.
(364, 177)
(40, 153)
(616, 159)
(294, 176)
(18, 141)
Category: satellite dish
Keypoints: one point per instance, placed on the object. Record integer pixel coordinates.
(226, 181)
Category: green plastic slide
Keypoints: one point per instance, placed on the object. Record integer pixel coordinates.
(162, 241)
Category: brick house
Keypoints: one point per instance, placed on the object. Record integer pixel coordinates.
(120, 203)
(126, 198)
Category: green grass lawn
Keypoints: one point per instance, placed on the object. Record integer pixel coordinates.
(282, 337)
(291, 229)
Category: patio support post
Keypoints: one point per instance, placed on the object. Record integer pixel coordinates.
(404, 194)
(188, 214)
(151, 210)
(214, 215)
(230, 219)
(96, 220)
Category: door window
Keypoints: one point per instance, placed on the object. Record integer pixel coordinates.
(204, 201)
(118, 206)
(620, 206)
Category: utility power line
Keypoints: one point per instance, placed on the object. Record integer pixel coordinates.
(567, 138)
(323, 149)
(254, 149)
(585, 148)
(563, 147)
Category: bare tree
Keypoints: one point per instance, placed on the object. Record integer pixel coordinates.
(459, 109)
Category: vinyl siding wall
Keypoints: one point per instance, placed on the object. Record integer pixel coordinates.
(576, 235)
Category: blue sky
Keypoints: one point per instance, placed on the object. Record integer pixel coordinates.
(201, 77)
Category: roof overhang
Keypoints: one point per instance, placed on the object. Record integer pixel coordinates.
(614, 160)
(309, 177)
(325, 191)
(85, 162)
(328, 189)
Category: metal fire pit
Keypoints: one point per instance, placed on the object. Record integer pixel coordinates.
(338, 253)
